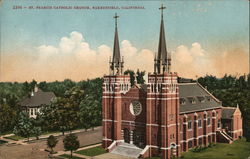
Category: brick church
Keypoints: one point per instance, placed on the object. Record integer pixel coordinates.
(163, 117)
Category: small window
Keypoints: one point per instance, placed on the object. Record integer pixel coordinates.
(219, 123)
(200, 141)
(208, 98)
(199, 123)
(208, 121)
(201, 99)
(182, 101)
(171, 117)
(190, 124)
(180, 126)
(191, 100)
(171, 136)
(209, 139)
(190, 144)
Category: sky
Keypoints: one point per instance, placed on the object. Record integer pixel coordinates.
(204, 37)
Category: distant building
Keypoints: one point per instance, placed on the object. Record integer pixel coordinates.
(163, 117)
(36, 101)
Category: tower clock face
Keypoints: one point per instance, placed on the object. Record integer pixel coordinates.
(135, 108)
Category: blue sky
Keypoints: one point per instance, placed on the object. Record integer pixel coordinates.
(214, 24)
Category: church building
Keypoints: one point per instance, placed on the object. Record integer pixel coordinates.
(163, 117)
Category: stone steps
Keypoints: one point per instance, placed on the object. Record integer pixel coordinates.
(224, 137)
(128, 150)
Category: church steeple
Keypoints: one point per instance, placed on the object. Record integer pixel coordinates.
(162, 61)
(116, 64)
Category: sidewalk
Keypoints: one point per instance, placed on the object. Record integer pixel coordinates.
(24, 141)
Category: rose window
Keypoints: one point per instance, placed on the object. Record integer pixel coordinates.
(135, 108)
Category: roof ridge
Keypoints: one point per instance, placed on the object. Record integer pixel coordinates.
(187, 83)
(217, 100)
(230, 107)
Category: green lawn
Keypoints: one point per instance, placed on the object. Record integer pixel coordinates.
(14, 137)
(240, 149)
(92, 151)
(2, 142)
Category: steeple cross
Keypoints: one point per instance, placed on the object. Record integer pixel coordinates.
(116, 17)
(162, 8)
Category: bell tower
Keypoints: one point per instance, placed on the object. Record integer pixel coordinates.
(162, 103)
(114, 86)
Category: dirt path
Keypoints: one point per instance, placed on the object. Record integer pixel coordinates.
(35, 149)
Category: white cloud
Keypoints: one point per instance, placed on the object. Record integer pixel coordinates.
(47, 49)
(196, 50)
(73, 58)
(183, 55)
(127, 49)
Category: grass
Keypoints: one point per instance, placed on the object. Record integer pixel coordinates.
(14, 137)
(68, 156)
(94, 151)
(50, 132)
(2, 142)
(240, 149)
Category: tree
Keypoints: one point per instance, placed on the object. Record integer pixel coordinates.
(90, 112)
(24, 127)
(71, 143)
(37, 131)
(7, 117)
(139, 76)
(131, 73)
(51, 142)
(37, 123)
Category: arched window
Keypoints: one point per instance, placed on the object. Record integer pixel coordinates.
(208, 120)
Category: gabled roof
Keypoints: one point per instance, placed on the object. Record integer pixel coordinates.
(39, 98)
(227, 112)
(196, 91)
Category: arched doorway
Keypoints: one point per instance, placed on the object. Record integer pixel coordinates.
(138, 138)
(126, 135)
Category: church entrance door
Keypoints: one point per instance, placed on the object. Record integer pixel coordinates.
(126, 135)
(139, 138)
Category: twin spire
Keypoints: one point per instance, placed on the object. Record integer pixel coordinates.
(116, 64)
(162, 61)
